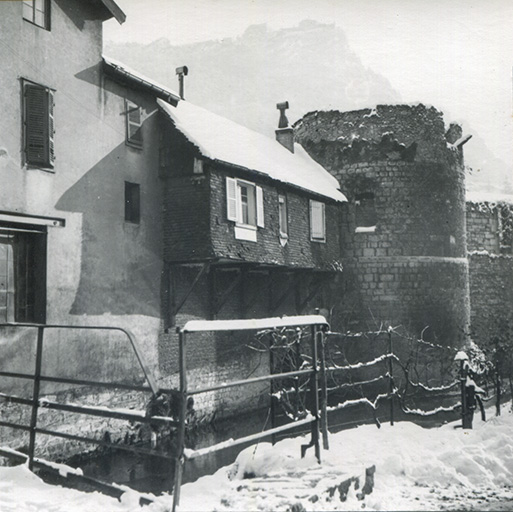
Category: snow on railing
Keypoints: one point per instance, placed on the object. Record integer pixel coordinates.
(432, 412)
(433, 388)
(364, 364)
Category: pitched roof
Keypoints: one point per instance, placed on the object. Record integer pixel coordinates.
(113, 9)
(220, 139)
(127, 73)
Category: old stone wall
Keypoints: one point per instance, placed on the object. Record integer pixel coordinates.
(491, 292)
(491, 272)
(404, 232)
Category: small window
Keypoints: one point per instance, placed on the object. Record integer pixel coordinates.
(317, 221)
(132, 202)
(133, 124)
(38, 125)
(244, 203)
(282, 212)
(37, 12)
(365, 211)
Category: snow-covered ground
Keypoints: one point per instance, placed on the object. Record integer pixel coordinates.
(416, 469)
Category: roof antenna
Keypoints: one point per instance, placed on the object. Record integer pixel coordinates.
(181, 72)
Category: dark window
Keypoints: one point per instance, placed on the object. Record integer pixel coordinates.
(365, 211)
(132, 202)
(38, 106)
(133, 124)
(37, 12)
(22, 275)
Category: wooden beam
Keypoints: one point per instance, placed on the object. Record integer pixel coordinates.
(220, 301)
(281, 299)
(204, 268)
(317, 286)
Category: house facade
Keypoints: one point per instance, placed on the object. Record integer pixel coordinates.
(79, 238)
(125, 206)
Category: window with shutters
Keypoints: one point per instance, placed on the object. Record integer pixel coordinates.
(37, 12)
(245, 207)
(133, 124)
(22, 274)
(317, 221)
(132, 202)
(38, 125)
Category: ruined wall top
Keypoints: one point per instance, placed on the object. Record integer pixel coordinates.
(386, 132)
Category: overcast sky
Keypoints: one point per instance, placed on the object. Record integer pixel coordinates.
(454, 54)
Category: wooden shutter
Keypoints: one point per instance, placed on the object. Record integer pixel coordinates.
(231, 199)
(260, 207)
(38, 125)
(317, 224)
(51, 129)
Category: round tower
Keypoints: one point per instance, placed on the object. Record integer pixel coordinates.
(404, 233)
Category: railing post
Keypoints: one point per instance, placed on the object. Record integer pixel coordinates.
(271, 387)
(315, 395)
(391, 375)
(35, 395)
(324, 392)
(182, 413)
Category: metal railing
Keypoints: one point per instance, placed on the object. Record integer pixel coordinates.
(36, 401)
(317, 324)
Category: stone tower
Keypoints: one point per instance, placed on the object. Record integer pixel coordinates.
(404, 233)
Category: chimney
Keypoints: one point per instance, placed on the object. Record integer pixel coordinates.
(284, 133)
(181, 72)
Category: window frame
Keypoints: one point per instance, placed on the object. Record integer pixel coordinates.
(317, 206)
(234, 204)
(283, 220)
(45, 160)
(132, 203)
(134, 139)
(26, 279)
(32, 5)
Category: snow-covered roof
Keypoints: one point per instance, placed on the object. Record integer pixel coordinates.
(130, 73)
(218, 138)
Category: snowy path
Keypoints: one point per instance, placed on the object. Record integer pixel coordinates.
(416, 469)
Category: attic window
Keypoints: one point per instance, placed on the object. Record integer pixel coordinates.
(365, 212)
(37, 12)
(133, 124)
(245, 207)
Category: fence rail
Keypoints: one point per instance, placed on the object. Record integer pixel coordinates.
(318, 369)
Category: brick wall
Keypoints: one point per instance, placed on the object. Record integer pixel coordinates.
(482, 228)
(491, 293)
(410, 268)
(299, 250)
(491, 273)
(185, 230)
